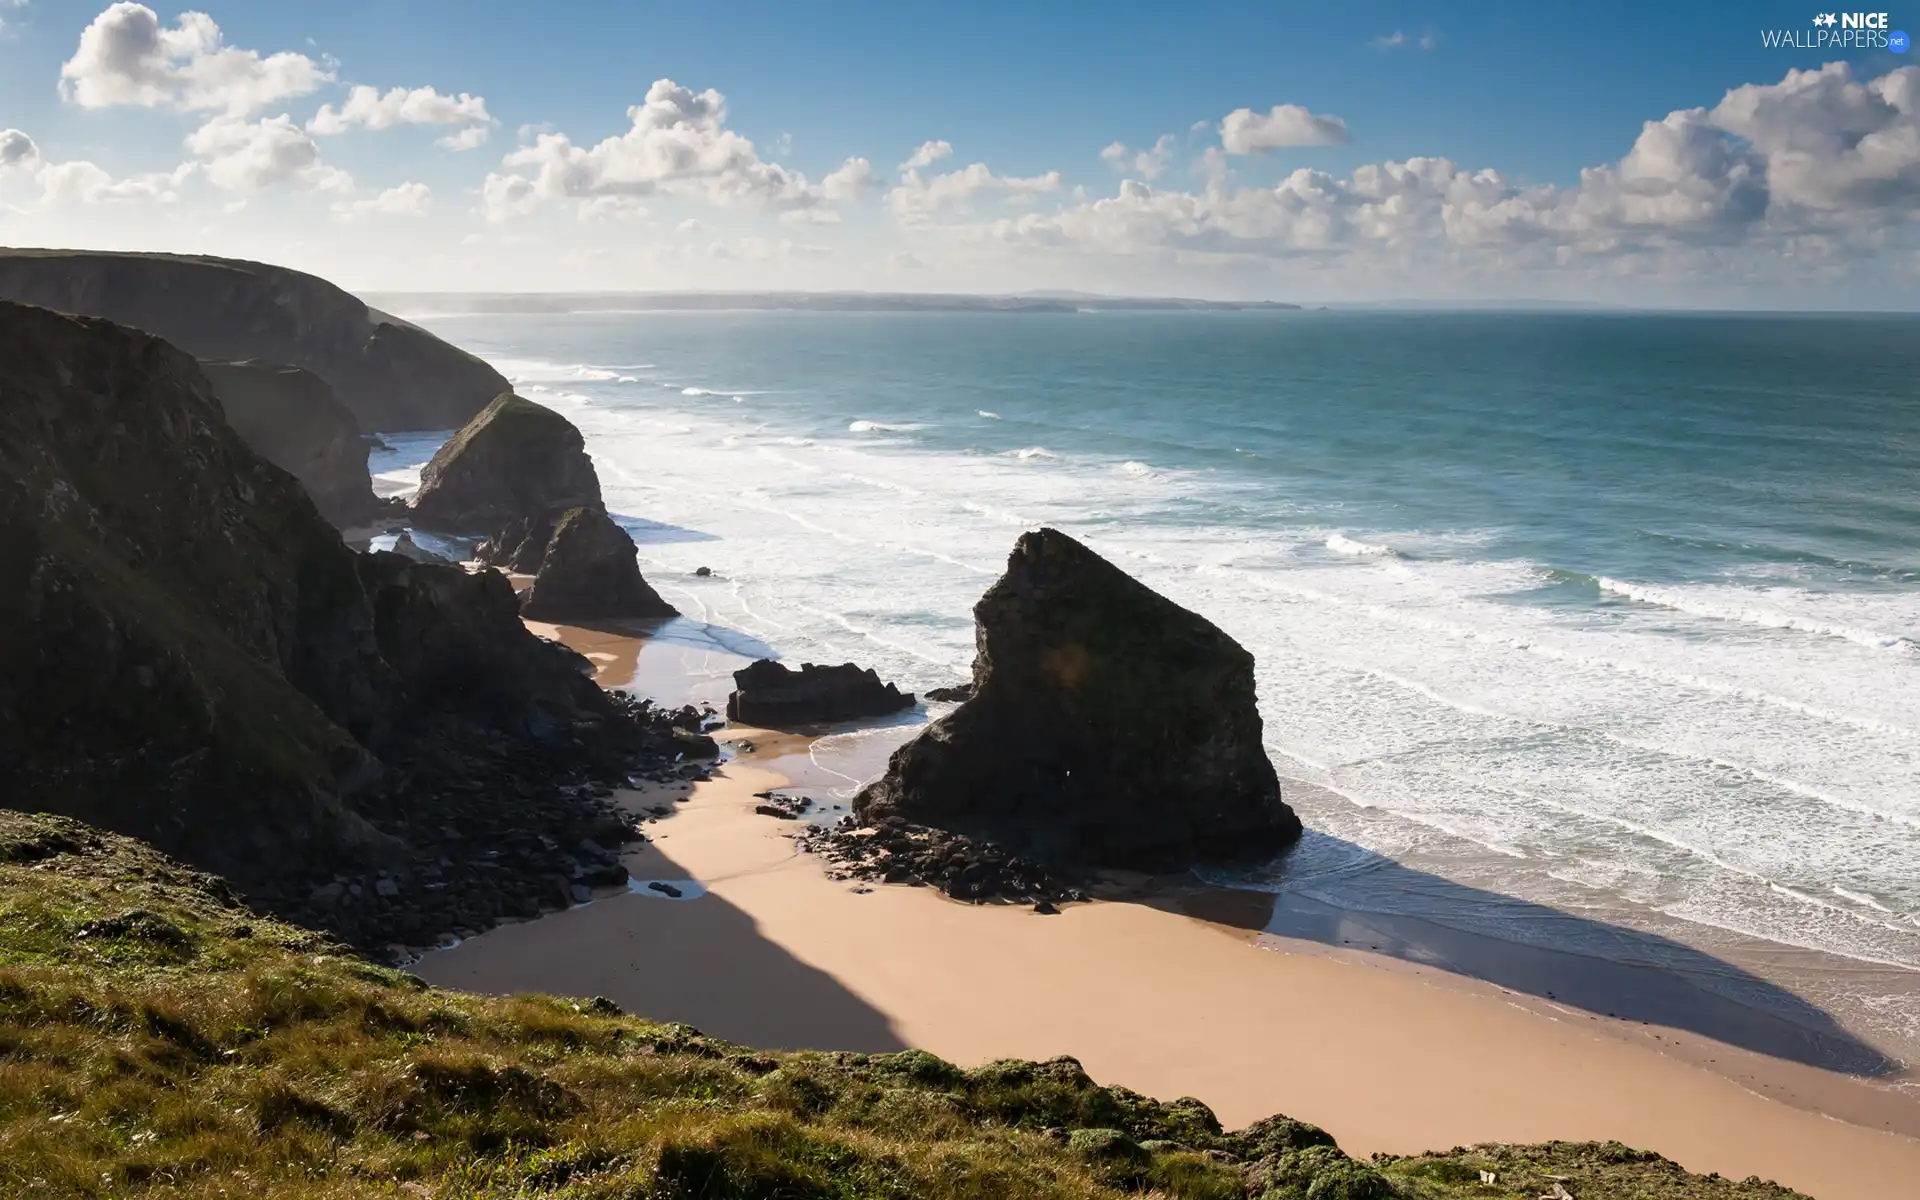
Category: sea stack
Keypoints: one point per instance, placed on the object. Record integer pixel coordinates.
(590, 572)
(772, 696)
(516, 461)
(1108, 727)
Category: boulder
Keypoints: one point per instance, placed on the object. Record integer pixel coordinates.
(590, 572)
(291, 417)
(1108, 727)
(390, 374)
(768, 694)
(515, 461)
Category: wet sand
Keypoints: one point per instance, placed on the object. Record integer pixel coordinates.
(1181, 994)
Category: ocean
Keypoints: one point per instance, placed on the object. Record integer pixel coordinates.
(1569, 627)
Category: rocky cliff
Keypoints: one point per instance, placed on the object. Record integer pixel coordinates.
(514, 462)
(190, 655)
(1107, 727)
(291, 417)
(390, 374)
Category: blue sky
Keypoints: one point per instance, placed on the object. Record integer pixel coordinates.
(1308, 203)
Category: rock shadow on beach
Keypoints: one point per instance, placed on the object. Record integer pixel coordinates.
(1642, 977)
(696, 959)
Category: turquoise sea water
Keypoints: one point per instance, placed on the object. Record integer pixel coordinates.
(1616, 614)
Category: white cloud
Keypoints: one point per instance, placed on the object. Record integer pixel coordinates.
(1148, 163)
(404, 200)
(6, 4)
(678, 145)
(246, 156)
(928, 154)
(612, 208)
(127, 57)
(369, 108)
(917, 198)
(1245, 131)
(1399, 39)
(690, 228)
(851, 180)
(17, 151)
(506, 196)
(70, 183)
(1820, 168)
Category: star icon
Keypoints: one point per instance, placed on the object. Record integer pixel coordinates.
(1825, 19)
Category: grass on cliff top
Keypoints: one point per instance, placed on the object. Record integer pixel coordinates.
(158, 1040)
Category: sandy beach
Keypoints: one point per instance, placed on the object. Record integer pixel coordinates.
(1176, 993)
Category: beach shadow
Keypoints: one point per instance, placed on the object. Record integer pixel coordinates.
(1626, 974)
(696, 959)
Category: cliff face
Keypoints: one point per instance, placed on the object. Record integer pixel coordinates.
(1108, 727)
(391, 375)
(291, 417)
(190, 655)
(161, 590)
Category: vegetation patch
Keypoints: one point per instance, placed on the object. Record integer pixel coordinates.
(185, 1047)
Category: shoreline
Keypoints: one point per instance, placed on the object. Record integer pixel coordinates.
(1176, 993)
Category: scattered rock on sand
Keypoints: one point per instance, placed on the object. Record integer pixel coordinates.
(1108, 727)
(770, 695)
(516, 460)
(589, 572)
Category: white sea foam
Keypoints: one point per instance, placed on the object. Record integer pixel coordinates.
(991, 416)
(1340, 543)
(1733, 773)
(1765, 609)
(881, 427)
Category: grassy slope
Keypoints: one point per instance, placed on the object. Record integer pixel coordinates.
(156, 1040)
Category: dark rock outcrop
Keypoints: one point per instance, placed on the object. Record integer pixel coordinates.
(951, 695)
(291, 417)
(1108, 727)
(191, 656)
(590, 572)
(516, 461)
(390, 374)
(518, 546)
(768, 694)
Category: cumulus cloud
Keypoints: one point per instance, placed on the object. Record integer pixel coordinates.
(928, 154)
(1245, 131)
(404, 200)
(1817, 167)
(247, 156)
(126, 57)
(918, 197)
(369, 108)
(506, 196)
(71, 183)
(17, 151)
(1148, 163)
(853, 179)
(678, 145)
